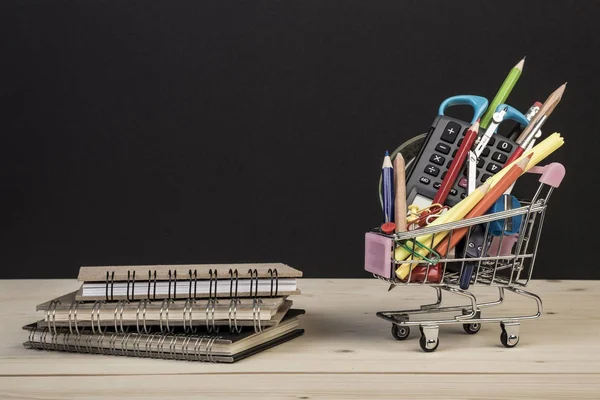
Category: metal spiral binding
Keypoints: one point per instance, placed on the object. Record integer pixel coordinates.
(173, 278)
(211, 303)
(136, 345)
(173, 347)
(111, 344)
(148, 344)
(164, 308)
(151, 279)
(131, 278)
(271, 273)
(119, 309)
(112, 285)
(209, 345)
(52, 320)
(256, 301)
(195, 283)
(73, 316)
(233, 302)
(96, 310)
(187, 315)
(143, 302)
(159, 346)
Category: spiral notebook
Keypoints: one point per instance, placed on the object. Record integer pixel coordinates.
(201, 346)
(187, 281)
(66, 311)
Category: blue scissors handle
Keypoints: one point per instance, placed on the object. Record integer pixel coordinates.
(513, 114)
(478, 103)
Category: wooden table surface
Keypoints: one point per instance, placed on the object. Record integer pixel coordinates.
(346, 352)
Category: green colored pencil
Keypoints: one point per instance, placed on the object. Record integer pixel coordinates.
(502, 95)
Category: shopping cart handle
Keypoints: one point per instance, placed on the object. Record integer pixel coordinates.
(552, 174)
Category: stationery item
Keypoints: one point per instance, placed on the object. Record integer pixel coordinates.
(144, 315)
(538, 153)
(536, 123)
(216, 347)
(476, 247)
(472, 173)
(136, 282)
(400, 197)
(429, 165)
(388, 197)
(503, 93)
(454, 214)
(518, 128)
(508, 226)
(483, 140)
(456, 164)
(484, 205)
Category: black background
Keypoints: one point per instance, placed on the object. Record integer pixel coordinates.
(147, 132)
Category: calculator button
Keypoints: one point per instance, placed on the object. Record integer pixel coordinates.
(485, 177)
(493, 168)
(480, 162)
(450, 132)
(485, 152)
(501, 158)
(491, 141)
(462, 196)
(432, 170)
(437, 185)
(505, 146)
(442, 148)
(463, 183)
(459, 142)
(454, 153)
(444, 175)
(449, 163)
(437, 159)
(453, 192)
(424, 180)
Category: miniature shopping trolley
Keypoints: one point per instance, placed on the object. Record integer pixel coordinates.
(498, 251)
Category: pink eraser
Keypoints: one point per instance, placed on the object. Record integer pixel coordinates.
(378, 255)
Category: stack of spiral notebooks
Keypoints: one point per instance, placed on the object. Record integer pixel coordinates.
(210, 313)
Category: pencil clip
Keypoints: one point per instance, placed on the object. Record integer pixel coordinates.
(112, 285)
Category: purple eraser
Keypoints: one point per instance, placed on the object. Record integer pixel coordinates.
(378, 255)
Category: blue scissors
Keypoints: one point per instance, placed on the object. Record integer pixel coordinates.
(479, 105)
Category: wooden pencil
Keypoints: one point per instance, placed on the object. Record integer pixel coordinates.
(547, 108)
(484, 205)
(400, 199)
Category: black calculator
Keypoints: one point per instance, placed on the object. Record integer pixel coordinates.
(426, 172)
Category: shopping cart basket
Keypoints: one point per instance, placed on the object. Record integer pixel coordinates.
(489, 257)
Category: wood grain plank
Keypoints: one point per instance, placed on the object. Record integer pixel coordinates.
(344, 335)
(307, 386)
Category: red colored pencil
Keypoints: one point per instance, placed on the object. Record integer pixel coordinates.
(457, 162)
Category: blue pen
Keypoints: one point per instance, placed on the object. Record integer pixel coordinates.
(388, 189)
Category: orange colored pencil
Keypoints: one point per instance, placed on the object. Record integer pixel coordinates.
(484, 204)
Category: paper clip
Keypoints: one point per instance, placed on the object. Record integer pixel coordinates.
(436, 258)
(423, 217)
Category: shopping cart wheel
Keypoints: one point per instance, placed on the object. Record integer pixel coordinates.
(510, 334)
(472, 329)
(400, 332)
(429, 341)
